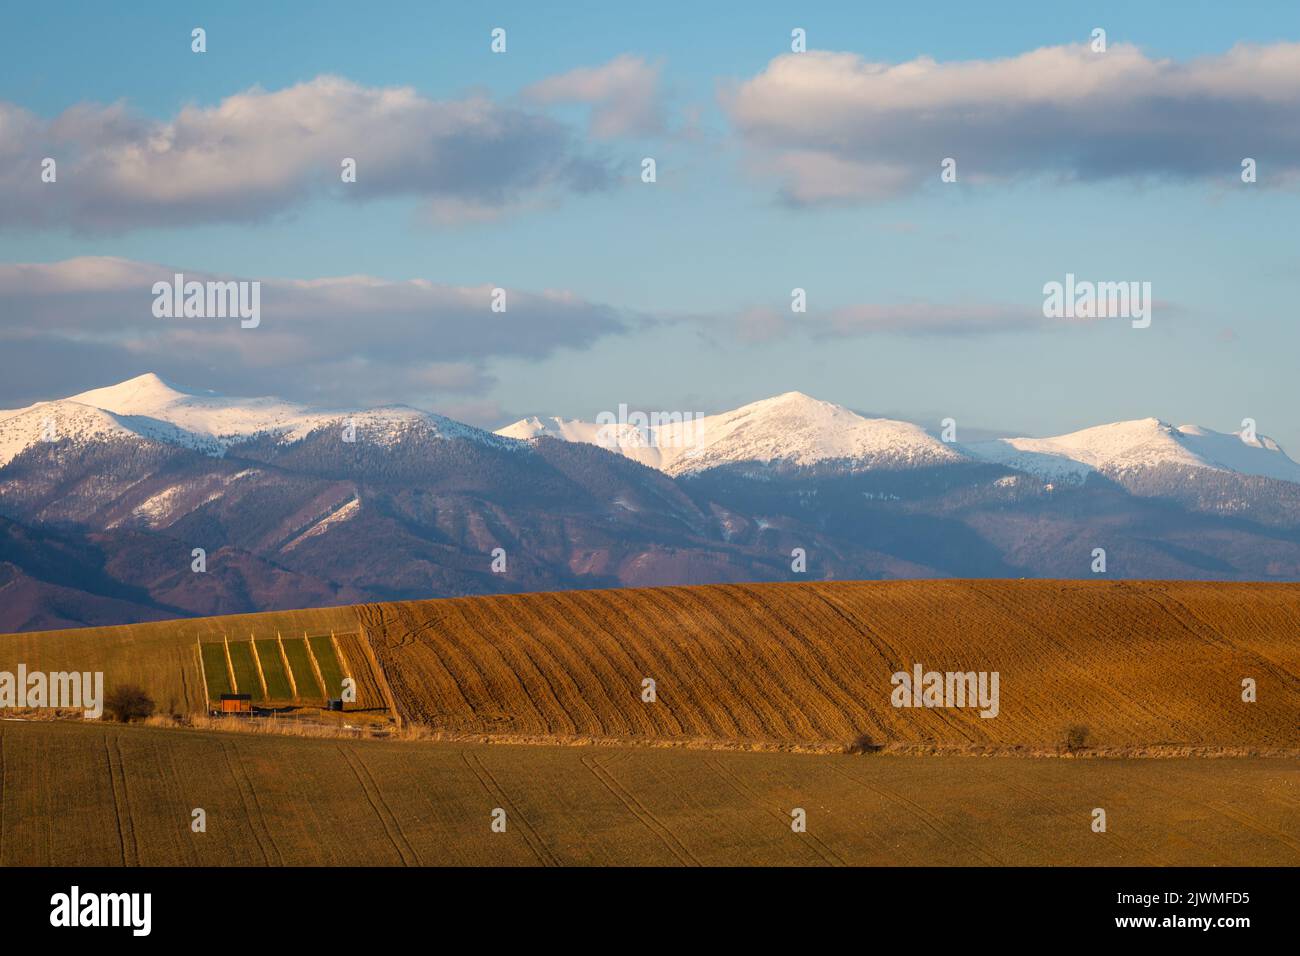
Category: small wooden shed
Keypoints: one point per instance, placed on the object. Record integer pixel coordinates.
(236, 703)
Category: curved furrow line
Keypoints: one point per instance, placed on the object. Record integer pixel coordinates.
(698, 715)
(785, 662)
(705, 665)
(626, 679)
(741, 656)
(509, 634)
(556, 656)
(117, 802)
(501, 678)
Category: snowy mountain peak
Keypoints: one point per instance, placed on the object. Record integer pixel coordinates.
(1142, 443)
(148, 407)
(794, 429)
(790, 430)
(535, 426)
(788, 398)
(139, 395)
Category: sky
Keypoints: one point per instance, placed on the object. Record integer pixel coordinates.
(774, 170)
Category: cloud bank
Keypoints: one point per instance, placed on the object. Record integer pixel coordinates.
(257, 154)
(345, 338)
(834, 127)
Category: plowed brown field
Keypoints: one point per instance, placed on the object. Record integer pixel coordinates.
(1139, 663)
(90, 794)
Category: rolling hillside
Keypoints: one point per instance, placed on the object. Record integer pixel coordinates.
(1139, 663)
(159, 656)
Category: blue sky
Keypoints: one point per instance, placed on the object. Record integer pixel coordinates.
(718, 237)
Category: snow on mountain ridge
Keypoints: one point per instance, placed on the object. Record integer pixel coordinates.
(1142, 443)
(136, 395)
(22, 428)
(625, 439)
(149, 407)
(790, 429)
(795, 429)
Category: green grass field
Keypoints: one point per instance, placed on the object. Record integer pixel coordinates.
(96, 794)
(246, 679)
(215, 670)
(278, 686)
(277, 680)
(323, 647)
(295, 649)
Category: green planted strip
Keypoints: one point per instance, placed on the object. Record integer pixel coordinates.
(295, 648)
(241, 660)
(214, 670)
(330, 669)
(277, 679)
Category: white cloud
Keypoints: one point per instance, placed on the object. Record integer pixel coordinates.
(258, 153)
(623, 95)
(343, 335)
(835, 127)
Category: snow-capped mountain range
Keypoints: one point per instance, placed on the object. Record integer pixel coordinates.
(149, 407)
(1144, 443)
(796, 430)
(790, 431)
(105, 494)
